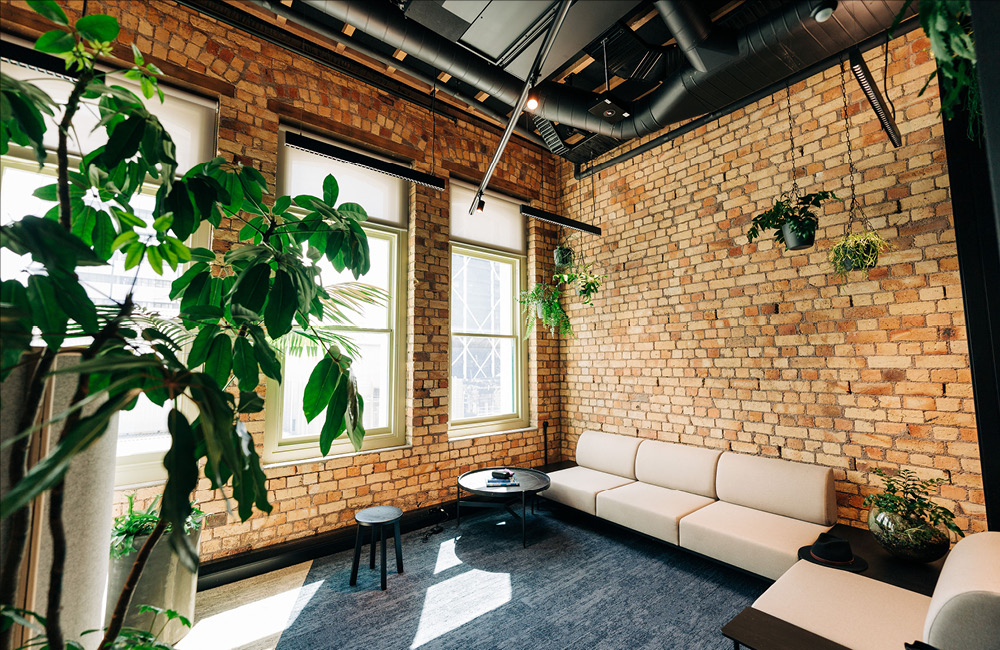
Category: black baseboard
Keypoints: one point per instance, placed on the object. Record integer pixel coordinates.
(216, 573)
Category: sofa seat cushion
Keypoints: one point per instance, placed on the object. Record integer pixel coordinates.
(649, 509)
(762, 542)
(578, 487)
(845, 607)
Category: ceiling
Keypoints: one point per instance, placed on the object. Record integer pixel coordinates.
(617, 69)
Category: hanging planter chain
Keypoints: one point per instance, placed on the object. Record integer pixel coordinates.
(791, 136)
(854, 210)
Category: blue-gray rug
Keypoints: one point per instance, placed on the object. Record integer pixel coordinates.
(581, 583)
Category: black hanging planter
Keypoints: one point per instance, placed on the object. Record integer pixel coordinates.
(793, 241)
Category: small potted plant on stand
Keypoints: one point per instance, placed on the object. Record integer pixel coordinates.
(792, 218)
(905, 521)
(857, 252)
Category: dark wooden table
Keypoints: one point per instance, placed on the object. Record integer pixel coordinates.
(756, 630)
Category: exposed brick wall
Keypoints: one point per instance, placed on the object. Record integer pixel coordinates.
(271, 85)
(702, 338)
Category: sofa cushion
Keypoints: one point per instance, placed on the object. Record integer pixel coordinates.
(649, 509)
(782, 487)
(678, 467)
(845, 607)
(762, 542)
(607, 452)
(578, 487)
(965, 608)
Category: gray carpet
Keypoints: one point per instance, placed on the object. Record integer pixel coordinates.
(581, 583)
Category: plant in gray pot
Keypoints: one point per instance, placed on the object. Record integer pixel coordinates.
(792, 219)
(165, 583)
(906, 522)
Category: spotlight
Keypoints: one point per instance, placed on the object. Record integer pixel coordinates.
(480, 206)
(532, 102)
(870, 88)
(823, 10)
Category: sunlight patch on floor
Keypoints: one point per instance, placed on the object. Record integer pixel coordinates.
(447, 558)
(456, 601)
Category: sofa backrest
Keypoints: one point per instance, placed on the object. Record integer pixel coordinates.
(780, 486)
(965, 608)
(607, 452)
(678, 467)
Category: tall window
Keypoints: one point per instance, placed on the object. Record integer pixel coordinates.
(142, 432)
(377, 330)
(487, 354)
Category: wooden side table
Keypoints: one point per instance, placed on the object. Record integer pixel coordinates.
(756, 630)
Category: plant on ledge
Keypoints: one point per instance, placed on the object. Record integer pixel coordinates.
(904, 519)
(234, 312)
(542, 302)
(792, 218)
(857, 252)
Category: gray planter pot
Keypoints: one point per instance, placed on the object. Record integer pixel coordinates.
(792, 240)
(164, 583)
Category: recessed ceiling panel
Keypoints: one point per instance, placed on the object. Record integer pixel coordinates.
(502, 23)
(467, 10)
(586, 20)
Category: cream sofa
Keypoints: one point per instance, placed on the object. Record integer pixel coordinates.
(865, 614)
(748, 511)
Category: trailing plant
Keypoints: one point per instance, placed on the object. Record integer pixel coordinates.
(909, 497)
(948, 26)
(133, 524)
(235, 310)
(795, 210)
(857, 252)
(542, 302)
(581, 276)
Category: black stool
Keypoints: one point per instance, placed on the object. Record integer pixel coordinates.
(378, 517)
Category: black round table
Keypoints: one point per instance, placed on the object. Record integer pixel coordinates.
(530, 483)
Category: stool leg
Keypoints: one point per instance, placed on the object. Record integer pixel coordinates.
(371, 558)
(357, 556)
(399, 550)
(381, 534)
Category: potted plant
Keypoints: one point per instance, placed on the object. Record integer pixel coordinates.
(792, 218)
(165, 583)
(564, 254)
(587, 282)
(906, 522)
(857, 252)
(543, 302)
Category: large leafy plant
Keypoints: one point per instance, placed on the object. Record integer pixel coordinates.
(798, 211)
(236, 313)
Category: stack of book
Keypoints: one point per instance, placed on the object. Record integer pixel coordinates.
(502, 478)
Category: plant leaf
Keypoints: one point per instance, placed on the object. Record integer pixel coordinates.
(319, 389)
(245, 365)
(98, 28)
(282, 303)
(220, 359)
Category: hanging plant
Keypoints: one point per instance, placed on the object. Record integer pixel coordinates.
(792, 218)
(857, 252)
(582, 276)
(564, 254)
(542, 302)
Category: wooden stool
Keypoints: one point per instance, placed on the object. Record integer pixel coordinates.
(378, 517)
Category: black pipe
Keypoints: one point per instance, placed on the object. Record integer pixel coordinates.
(816, 68)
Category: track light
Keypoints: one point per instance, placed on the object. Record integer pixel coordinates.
(480, 206)
(823, 10)
(532, 102)
(870, 88)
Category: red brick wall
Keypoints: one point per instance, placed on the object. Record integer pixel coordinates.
(702, 338)
(315, 497)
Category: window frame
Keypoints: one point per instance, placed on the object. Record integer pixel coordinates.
(277, 450)
(518, 420)
(133, 470)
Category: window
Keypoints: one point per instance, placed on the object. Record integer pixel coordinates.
(378, 331)
(142, 432)
(488, 356)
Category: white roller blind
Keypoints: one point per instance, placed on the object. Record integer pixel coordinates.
(190, 120)
(383, 197)
(500, 224)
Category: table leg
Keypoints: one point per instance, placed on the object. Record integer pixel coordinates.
(371, 557)
(399, 551)
(381, 534)
(524, 542)
(357, 557)
(458, 505)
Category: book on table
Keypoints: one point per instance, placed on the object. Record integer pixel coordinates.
(499, 482)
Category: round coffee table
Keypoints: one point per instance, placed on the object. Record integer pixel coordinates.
(531, 482)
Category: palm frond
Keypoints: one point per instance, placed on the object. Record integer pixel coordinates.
(345, 297)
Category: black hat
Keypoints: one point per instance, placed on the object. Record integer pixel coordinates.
(833, 552)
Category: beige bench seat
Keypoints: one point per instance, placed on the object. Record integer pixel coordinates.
(761, 542)
(649, 509)
(845, 607)
(578, 487)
